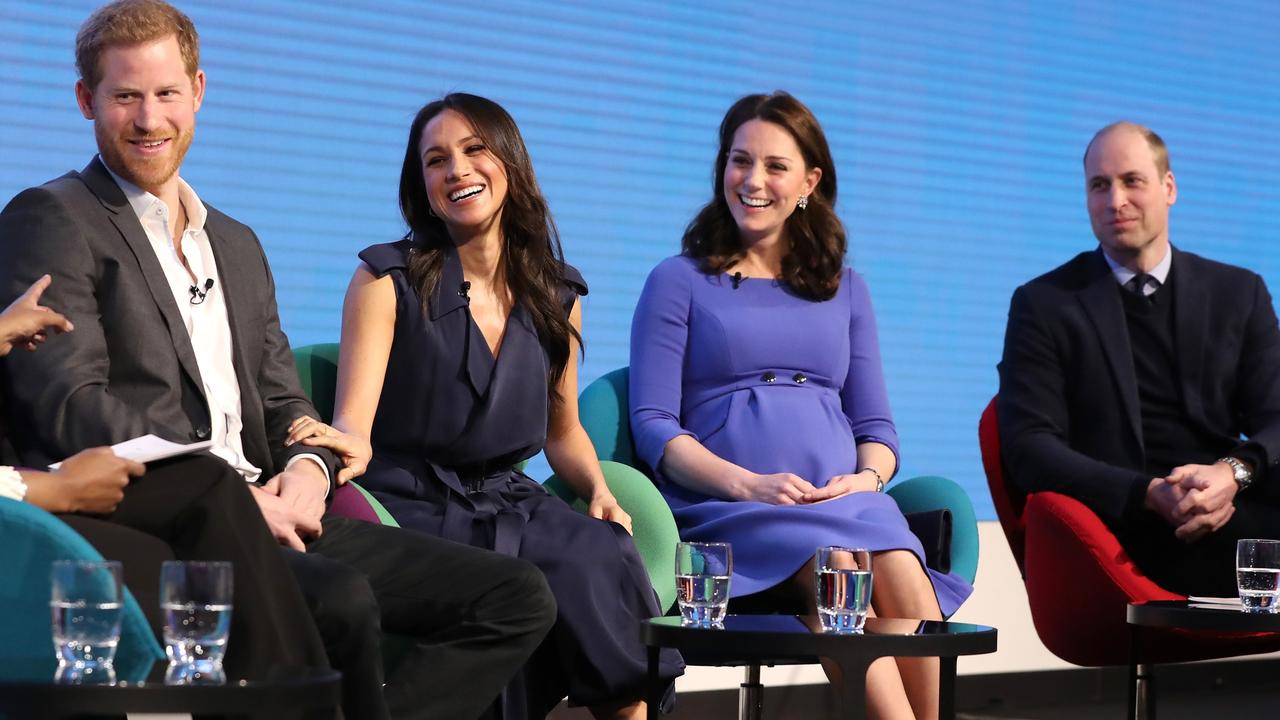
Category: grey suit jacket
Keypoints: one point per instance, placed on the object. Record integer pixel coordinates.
(129, 368)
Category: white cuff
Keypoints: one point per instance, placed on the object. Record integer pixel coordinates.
(315, 459)
(11, 484)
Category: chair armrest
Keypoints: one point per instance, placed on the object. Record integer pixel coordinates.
(933, 492)
(653, 527)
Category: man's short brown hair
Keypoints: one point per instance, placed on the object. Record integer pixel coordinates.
(133, 22)
(1159, 151)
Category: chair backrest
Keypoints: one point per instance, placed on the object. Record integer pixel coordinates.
(1009, 500)
(32, 540)
(318, 373)
(606, 416)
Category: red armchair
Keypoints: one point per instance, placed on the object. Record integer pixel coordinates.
(1080, 581)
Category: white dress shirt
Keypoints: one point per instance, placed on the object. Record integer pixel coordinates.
(206, 320)
(1159, 273)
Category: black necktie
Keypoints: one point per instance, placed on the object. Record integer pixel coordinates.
(1138, 285)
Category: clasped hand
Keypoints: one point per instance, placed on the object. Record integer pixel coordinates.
(791, 489)
(1195, 499)
(292, 503)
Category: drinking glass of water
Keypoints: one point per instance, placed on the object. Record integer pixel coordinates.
(196, 599)
(843, 587)
(702, 582)
(1258, 574)
(86, 621)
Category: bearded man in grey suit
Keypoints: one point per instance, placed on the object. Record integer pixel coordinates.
(177, 334)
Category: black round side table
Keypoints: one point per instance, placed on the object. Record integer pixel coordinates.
(316, 691)
(786, 639)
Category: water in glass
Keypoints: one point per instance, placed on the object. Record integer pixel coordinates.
(842, 586)
(843, 599)
(195, 638)
(196, 600)
(1258, 574)
(703, 575)
(85, 606)
(85, 636)
(1259, 589)
(702, 598)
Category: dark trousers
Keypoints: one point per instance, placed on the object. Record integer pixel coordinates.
(197, 508)
(1208, 565)
(471, 617)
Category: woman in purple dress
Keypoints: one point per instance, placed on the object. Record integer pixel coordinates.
(458, 363)
(757, 395)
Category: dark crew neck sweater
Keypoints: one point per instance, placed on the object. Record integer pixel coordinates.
(1169, 435)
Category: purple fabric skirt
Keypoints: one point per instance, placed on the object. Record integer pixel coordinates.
(771, 542)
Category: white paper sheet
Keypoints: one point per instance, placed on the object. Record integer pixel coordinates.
(148, 448)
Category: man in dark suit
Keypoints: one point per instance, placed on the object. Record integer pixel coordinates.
(177, 334)
(1144, 381)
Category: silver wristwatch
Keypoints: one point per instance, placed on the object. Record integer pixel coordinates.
(1241, 472)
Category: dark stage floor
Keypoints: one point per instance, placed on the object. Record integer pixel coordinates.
(1202, 691)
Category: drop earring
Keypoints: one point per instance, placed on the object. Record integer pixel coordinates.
(802, 202)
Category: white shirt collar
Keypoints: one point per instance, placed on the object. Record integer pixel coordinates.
(142, 201)
(1123, 274)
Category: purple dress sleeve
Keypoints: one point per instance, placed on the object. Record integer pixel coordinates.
(659, 334)
(864, 397)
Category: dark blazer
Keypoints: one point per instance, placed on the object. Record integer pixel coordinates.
(129, 368)
(1068, 405)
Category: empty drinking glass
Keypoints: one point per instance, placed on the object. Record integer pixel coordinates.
(843, 588)
(85, 603)
(196, 599)
(702, 582)
(1258, 574)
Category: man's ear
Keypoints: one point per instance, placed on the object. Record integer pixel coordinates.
(1170, 188)
(84, 98)
(197, 89)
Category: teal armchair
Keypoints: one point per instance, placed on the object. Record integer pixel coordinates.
(32, 540)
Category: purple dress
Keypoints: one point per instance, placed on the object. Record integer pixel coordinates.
(774, 383)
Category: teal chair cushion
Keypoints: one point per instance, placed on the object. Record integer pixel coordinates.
(318, 373)
(652, 526)
(603, 409)
(32, 540)
(933, 492)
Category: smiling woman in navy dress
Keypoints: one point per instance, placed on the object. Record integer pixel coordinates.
(757, 393)
(458, 362)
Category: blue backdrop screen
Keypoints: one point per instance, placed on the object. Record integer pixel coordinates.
(957, 130)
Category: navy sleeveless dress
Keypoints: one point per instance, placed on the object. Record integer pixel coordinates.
(451, 425)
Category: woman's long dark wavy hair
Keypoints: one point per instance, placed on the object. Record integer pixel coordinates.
(815, 257)
(533, 262)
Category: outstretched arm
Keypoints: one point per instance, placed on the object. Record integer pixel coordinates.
(368, 327)
(26, 323)
(569, 449)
